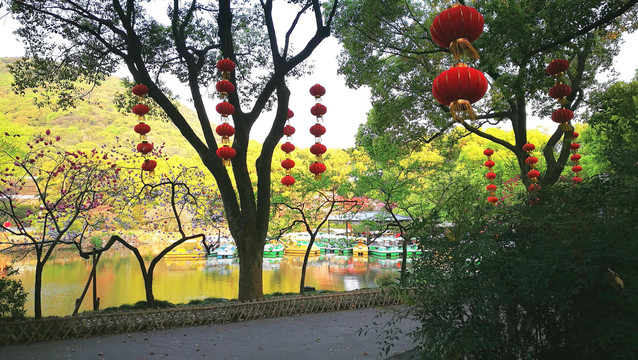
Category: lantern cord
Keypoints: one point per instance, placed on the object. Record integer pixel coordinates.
(462, 47)
(461, 110)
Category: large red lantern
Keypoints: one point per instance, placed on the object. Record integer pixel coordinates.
(290, 114)
(225, 108)
(560, 91)
(142, 129)
(557, 66)
(317, 130)
(140, 109)
(225, 87)
(289, 130)
(149, 165)
(288, 180)
(225, 65)
(458, 88)
(575, 157)
(318, 149)
(225, 130)
(490, 175)
(140, 90)
(456, 28)
(317, 91)
(562, 115)
(317, 168)
(145, 147)
(529, 147)
(318, 110)
(287, 147)
(532, 174)
(532, 160)
(288, 164)
(226, 153)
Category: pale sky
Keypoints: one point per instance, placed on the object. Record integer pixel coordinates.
(347, 108)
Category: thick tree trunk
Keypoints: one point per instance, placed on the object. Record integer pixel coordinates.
(37, 292)
(148, 288)
(251, 254)
(302, 282)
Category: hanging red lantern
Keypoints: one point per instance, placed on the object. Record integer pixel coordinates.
(533, 174)
(489, 164)
(317, 91)
(575, 157)
(492, 199)
(529, 147)
(560, 91)
(575, 146)
(140, 90)
(488, 152)
(577, 179)
(287, 147)
(318, 149)
(149, 165)
(288, 180)
(226, 153)
(142, 129)
(225, 108)
(557, 66)
(532, 160)
(289, 130)
(575, 135)
(317, 130)
(562, 115)
(290, 114)
(145, 147)
(491, 187)
(225, 87)
(225, 130)
(317, 168)
(577, 168)
(318, 110)
(458, 88)
(490, 175)
(456, 28)
(225, 65)
(140, 109)
(288, 164)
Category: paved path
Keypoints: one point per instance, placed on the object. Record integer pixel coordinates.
(308, 337)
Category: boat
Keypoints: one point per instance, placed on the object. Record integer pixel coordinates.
(297, 244)
(227, 249)
(273, 249)
(189, 250)
(361, 249)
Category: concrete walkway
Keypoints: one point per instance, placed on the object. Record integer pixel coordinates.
(308, 337)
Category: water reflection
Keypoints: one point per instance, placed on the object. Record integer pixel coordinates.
(120, 281)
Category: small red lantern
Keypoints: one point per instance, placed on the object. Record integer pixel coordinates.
(458, 88)
(560, 90)
(492, 199)
(225, 87)
(145, 147)
(140, 109)
(577, 179)
(290, 114)
(575, 157)
(318, 110)
(289, 130)
(562, 115)
(577, 168)
(226, 153)
(225, 108)
(287, 147)
(140, 90)
(149, 165)
(533, 174)
(318, 149)
(529, 147)
(225, 65)
(557, 66)
(225, 129)
(456, 28)
(490, 175)
(491, 187)
(288, 180)
(288, 164)
(489, 164)
(6, 224)
(488, 152)
(575, 135)
(142, 129)
(575, 146)
(532, 160)
(317, 168)
(317, 91)
(317, 130)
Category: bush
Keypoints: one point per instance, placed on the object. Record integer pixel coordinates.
(12, 299)
(386, 278)
(554, 278)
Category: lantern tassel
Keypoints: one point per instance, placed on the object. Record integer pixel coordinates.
(317, 177)
(566, 127)
(462, 47)
(461, 110)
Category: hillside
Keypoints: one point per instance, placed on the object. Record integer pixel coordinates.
(93, 123)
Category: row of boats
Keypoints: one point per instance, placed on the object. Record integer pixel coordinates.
(296, 244)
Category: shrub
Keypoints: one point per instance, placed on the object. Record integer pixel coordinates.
(386, 278)
(12, 299)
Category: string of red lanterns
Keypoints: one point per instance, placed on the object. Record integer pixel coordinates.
(460, 86)
(560, 91)
(288, 147)
(224, 108)
(576, 159)
(531, 161)
(142, 128)
(490, 176)
(318, 149)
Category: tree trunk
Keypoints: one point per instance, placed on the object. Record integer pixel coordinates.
(37, 292)
(148, 287)
(404, 257)
(251, 255)
(302, 282)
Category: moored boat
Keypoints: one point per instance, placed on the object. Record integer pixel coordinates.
(361, 249)
(189, 250)
(273, 249)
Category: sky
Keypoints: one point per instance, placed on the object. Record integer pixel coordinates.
(347, 108)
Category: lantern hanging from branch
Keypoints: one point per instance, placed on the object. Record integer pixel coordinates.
(531, 161)
(460, 87)
(575, 158)
(317, 130)
(142, 128)
(560, 91)
(490, 176)
(149, 166)
(456, 28)
(287, 148)
(225, 109)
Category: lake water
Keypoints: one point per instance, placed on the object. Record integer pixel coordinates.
(120, 281)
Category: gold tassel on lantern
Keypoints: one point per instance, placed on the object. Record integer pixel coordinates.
(462, 47)
(462, 110)
(317, 177)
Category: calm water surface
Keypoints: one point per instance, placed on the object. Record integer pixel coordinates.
(120, 281)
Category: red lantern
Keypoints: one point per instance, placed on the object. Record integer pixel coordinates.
(226, 152)
(456, 28)
(562, 115)
(577, 179)
(489, 164)
(490, 187)
(318, 149)
(144, 147)
(557, 66)
(289, 130)
(488, 152)
(317, 91)
(317, 130)
(533, 187)
(225, 65)
(529, 147)
(577, 168)
(575, 146)
(532, 174)
(560, 90)
(492, 199)
(140, 90)
(6, 224)
(490, 176)
(318, 110)
(317, 168)
(225, 129)
(142, 128)
(575, 157)
(287, 147)
(225, 108)
(288, 164)
(225, 87)
(290, 114)
(532, 160)
(288, 180)
(140, 109)
(458, 88)
(575, 135)
(149, 165)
